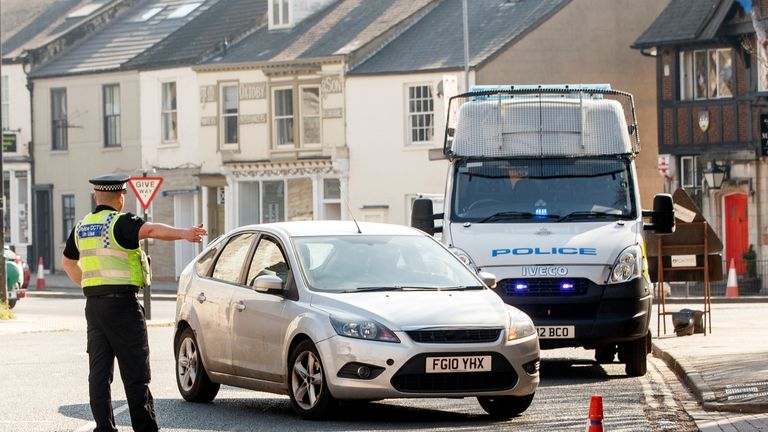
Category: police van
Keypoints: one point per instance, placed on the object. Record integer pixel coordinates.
(542, 198)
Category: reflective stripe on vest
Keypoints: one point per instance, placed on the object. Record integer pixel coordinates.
(102, 259)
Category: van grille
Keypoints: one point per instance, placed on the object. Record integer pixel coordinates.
(455, 336)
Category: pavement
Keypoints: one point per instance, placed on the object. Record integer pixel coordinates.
(725, 369)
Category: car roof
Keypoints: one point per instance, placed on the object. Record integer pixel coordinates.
(334, 228)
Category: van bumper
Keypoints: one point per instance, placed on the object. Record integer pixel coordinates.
(605, 314)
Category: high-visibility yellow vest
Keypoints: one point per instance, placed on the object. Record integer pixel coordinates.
(102, 260)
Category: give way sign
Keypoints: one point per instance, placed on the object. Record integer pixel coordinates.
(145, 188)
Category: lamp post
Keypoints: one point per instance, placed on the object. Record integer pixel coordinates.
(714, 175)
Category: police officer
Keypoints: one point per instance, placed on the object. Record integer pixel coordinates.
(102, 255)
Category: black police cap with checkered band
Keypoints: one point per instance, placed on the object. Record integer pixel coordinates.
(110, 182)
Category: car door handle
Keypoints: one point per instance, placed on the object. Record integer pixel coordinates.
(201, 297)
(240, 306)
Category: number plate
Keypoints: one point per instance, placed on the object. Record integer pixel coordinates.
(458, 364)
(556, 332)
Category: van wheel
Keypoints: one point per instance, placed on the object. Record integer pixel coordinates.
(309, 392)
(504, 407)
(635, 357)
(605, 354)
(11, 303)
(191, 378)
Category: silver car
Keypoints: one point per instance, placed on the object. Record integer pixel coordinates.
(328, 310)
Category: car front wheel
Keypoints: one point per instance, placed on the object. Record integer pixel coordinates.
(309, 392)
(635, 356)
(191, 377)
(504, 407)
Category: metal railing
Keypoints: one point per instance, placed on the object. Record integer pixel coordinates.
(751, 276)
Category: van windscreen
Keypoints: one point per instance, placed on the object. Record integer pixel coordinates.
(543, 190)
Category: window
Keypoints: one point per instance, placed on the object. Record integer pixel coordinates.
(184, 10)
(111, 94)
(229, 105)
(232, 258)
(706, 74)
(169, 111)
(310, 115)
(147, 14)
(331, 199)
(283, 117)
(688, 177)
(86, 10)
(67, 215)
(762, 68)
(6, 102)
(275, 201)
(421, 114)
(279, 14)
(268, 259)
(59, 119)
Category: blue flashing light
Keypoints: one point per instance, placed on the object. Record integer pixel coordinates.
(541, 212)
(521, 286)
(566, 286)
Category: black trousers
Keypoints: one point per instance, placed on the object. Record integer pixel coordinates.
(116, 328)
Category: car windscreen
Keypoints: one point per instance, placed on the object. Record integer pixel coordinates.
(542, 190)
(380, 262)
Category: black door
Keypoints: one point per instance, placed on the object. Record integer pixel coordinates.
(43, 225)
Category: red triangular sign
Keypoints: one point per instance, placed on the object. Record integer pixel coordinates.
(145, 188)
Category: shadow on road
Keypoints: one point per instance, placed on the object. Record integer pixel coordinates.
(575, 372)
(225, 414)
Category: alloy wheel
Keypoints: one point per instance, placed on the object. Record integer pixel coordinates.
(307, 380)
(186, 365)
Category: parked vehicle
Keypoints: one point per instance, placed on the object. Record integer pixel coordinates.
(542, 191)
(14, 275)
(330, 310)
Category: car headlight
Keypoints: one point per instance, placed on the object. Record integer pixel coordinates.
(363, 329)
(627, 266)
(463, 257)
(520, 325)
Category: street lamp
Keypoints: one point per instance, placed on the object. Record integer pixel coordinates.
(714, 175)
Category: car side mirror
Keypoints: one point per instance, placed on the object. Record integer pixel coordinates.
(267, 283)
(489, 279)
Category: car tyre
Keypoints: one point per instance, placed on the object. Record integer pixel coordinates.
(635, 357)
(504, 407)
(11, 303)
(605, 354)
(307, 384)
(191, 377)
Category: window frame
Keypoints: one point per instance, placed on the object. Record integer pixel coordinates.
(280, 14)
(409, 115)
(5, 103)
(65, 212)
(223, 247)
(272, 239)
(59, 123)
(276, 145)
(297, 117)
(692, 160)
(688, 73)
(223, 144)
(303, 116)
(169, 111)
(112, 116)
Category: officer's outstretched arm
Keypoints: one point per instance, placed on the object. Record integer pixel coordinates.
(160, 231)
(72, 269)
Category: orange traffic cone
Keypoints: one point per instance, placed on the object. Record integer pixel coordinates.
(40, 275)
(732, 288)
(595, 422)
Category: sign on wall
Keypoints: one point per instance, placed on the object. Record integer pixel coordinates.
(9, 143)
(254, 90)
(207, 93)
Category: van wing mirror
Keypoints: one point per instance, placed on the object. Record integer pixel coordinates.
(489, 279)
(423, 216)
(662, 216)
(267, 283)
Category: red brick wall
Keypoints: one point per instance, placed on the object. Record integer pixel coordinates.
(698, 136)
(667, 89)
(682, 126)
(668, 123)
(713, 133)
(743, 122)
(729, 123)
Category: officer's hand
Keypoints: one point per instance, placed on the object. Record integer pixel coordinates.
(195, 234)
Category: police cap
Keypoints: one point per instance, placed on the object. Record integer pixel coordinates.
(110, 182)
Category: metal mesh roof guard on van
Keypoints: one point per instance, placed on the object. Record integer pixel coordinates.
(541, 121)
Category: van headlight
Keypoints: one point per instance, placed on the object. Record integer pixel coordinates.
(627, 266)
(359, 328)
(463, 257)
(520, 325)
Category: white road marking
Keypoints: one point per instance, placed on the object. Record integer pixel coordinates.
(91, 425)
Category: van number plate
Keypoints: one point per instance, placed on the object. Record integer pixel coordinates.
(556, 332)
(458, 364)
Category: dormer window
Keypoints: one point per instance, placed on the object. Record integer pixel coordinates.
(184, 10)
(279, 13)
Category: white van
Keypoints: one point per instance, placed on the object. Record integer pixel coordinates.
(542, 193)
